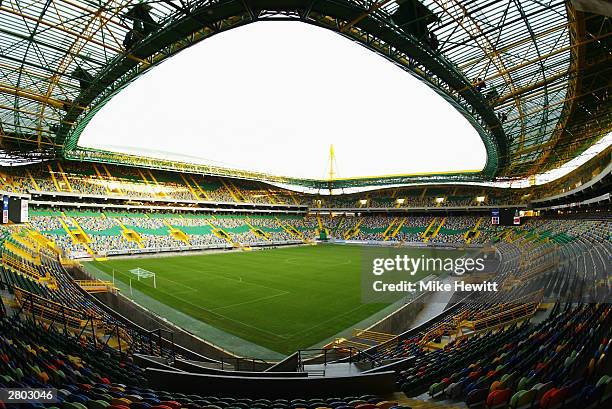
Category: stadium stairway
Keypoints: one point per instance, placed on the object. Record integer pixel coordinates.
(129, 234)
(193, 192)
(222, 234)
(257, 231)
(435, 305)
(474, 232)
(293, 197)
(106, 185)
(146, 181)
(233, 191)
(274, 198)
(202, 193)
(66, 182)
(54, 179)
(424, 235)
(289, 228)
(177, 233)
(157, 186)
(42, 241)
(389, 229)
(117, 185)
(398, 227)
(319, 222)
(353, 231)
(32, 180)
(75, 232)
(436, 231)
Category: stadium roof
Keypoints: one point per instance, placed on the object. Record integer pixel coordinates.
(532, 77)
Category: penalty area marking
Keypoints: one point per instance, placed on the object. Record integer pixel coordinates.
(211, 311)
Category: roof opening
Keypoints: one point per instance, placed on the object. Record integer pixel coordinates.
(273, 97)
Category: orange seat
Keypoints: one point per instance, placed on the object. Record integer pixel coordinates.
(121, 402)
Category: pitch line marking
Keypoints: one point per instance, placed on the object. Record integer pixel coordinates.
(238, 280)
(290, 260)
(199, 307)
(184, 292)
(250, 301)
(191, 289)
(326, 321)
(173, 295)
(275, 335)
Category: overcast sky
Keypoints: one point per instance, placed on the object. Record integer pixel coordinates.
(273, 96)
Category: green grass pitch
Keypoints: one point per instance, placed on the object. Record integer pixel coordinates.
(283, 299)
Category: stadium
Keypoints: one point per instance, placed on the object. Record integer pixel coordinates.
(233, 268)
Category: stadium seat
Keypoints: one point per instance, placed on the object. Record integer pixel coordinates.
(476, 398)
(498, 398)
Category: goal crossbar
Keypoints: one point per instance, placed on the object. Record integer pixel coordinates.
(142, 273)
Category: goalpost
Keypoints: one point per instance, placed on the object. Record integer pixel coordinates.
(144, 274)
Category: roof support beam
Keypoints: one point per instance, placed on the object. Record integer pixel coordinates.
(24, 93)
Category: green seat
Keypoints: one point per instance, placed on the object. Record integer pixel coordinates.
(515, 398)
(18, 373)
(73, 405)
(97, 404)
(526, 398)
(436, 388)
(603, 379)
(523, 383)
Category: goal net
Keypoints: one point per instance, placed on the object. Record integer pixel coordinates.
(141, 273)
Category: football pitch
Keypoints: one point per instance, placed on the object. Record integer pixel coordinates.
(283, 299)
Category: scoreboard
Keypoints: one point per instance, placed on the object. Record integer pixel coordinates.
(14, 209)
(505, 217)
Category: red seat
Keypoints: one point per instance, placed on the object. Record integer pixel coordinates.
(553, 397)
(499, 397)
(85, 387)
(545, 399)
(171, 403)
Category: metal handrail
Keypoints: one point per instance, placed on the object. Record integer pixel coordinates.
(151, 340)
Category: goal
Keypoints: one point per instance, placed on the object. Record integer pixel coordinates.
(144, 274)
